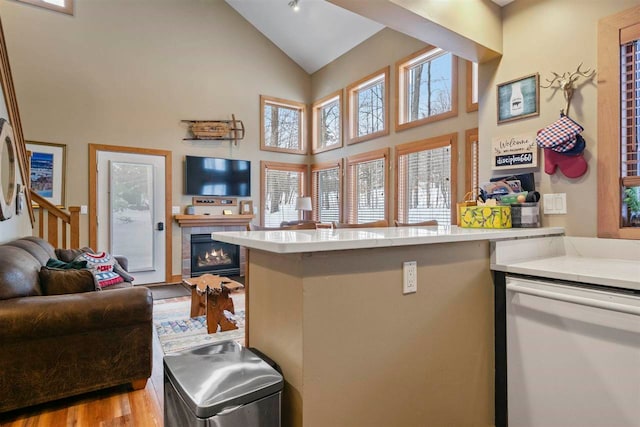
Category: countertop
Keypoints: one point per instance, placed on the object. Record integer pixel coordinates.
(607, 262)
(300, 241)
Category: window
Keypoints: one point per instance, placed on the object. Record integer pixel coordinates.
(619, 125)
(472, 86)
(326, 191)
(368, 107)
(282, 125)
(327, 123)
(281, 184)
(471, 162)
(427, 88)
(64, 6)
(367, 186)
(425, 180)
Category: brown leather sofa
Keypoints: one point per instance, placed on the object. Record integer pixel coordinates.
(54, 346)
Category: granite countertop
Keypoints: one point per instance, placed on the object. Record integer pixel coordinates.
(300, 241)
(607, 262)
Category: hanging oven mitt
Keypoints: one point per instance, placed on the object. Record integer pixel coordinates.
(560, 136)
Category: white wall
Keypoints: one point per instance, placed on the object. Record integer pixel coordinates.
(125, 72)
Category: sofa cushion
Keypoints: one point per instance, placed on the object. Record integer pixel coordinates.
(33, 248)
(18, 273)
(101, 264)
(73, 265)
(58, 281)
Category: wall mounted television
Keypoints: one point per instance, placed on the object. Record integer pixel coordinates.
(213, 176)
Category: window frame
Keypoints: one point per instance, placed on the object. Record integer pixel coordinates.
(316, 109)
(352, 112)
(383, 153)
(609, 120)
(68, 8)
(316, 167)
(302, 109)
(471, 106)
(471, 140)
(430, 144)
(402, 67)
(285, 167)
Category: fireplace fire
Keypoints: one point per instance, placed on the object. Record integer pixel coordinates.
(212, 256)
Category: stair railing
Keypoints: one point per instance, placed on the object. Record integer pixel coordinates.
(57, 222)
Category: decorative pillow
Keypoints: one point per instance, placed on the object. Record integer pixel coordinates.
(73, 265)
(57, 281)
(101, 264)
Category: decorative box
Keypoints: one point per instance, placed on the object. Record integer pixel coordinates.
(485, 216)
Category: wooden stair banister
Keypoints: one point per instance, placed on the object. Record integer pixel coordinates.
(55, 215)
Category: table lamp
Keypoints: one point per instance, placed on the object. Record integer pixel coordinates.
(303, 204)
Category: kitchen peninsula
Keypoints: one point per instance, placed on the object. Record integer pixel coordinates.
(328, 307)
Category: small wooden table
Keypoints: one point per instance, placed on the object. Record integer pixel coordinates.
(210, 297)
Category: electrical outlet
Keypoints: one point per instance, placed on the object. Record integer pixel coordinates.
(409, 277)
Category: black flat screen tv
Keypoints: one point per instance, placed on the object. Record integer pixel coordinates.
(212, 176)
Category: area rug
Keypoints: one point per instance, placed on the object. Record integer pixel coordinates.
(177, 331)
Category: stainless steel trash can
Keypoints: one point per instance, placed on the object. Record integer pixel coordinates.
(221, 385)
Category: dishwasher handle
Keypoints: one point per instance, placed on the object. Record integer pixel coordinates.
(589, 302)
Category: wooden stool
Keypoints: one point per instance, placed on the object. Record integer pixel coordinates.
(210, 297)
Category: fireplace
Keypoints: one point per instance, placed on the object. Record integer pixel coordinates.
(212, 256)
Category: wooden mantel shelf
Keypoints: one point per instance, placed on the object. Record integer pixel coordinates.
(212, 220)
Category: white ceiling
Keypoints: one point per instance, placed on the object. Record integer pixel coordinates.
(314, 35)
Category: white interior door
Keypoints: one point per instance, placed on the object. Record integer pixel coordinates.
(131, 212)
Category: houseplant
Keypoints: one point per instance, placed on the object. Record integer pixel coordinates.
(632, 201)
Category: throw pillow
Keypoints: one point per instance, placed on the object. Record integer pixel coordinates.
(57, 281)
(73, 265)
(101, 264)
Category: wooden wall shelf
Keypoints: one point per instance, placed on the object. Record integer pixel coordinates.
(212, 220)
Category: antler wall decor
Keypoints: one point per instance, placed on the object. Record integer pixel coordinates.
(566, 82)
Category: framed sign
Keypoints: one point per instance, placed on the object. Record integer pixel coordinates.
(518, 98)
(246, 207)
(513, 152)
(48, 169)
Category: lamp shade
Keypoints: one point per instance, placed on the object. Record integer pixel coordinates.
(303, 203)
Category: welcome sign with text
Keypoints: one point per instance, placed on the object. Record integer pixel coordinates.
(513, 152)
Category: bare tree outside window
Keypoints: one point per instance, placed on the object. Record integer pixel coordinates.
(282, 125)
(329, 126)
(282, 189)
(370, 198)
(328, 193)
(370, 104)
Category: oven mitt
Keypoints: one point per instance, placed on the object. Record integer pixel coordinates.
(560, 136)
(571, 166)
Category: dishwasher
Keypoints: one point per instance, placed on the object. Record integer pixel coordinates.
(573, 354)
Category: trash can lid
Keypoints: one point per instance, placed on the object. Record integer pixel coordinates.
(219, 376)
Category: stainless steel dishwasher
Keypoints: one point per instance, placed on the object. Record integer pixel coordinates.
(573, 354)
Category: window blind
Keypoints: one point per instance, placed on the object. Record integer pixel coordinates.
(424, 185)
(630, 113)
(326, 194)
(367, 196)
(281, 190)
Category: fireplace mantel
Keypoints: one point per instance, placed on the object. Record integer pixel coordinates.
(212, 220)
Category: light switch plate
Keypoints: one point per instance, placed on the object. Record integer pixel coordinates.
(555, 204)
(84, 210)
(175, 210)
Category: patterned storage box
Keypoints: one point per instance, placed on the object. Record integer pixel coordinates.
(485, 216)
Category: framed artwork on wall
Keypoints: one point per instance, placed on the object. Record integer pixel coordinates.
(518, 98)
(48, 170)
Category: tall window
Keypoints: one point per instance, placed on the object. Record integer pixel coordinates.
(425, 180)
(619, 125)
(427, 88)
(281, 185)
(368, 107)
(367, 186)
(64, 6)
(326, 191)
(472, 86)
(471, 162)
(282, 125)
(327, 123)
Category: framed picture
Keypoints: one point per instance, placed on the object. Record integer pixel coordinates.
(246, 207)
(48, 170)
(519, 98)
